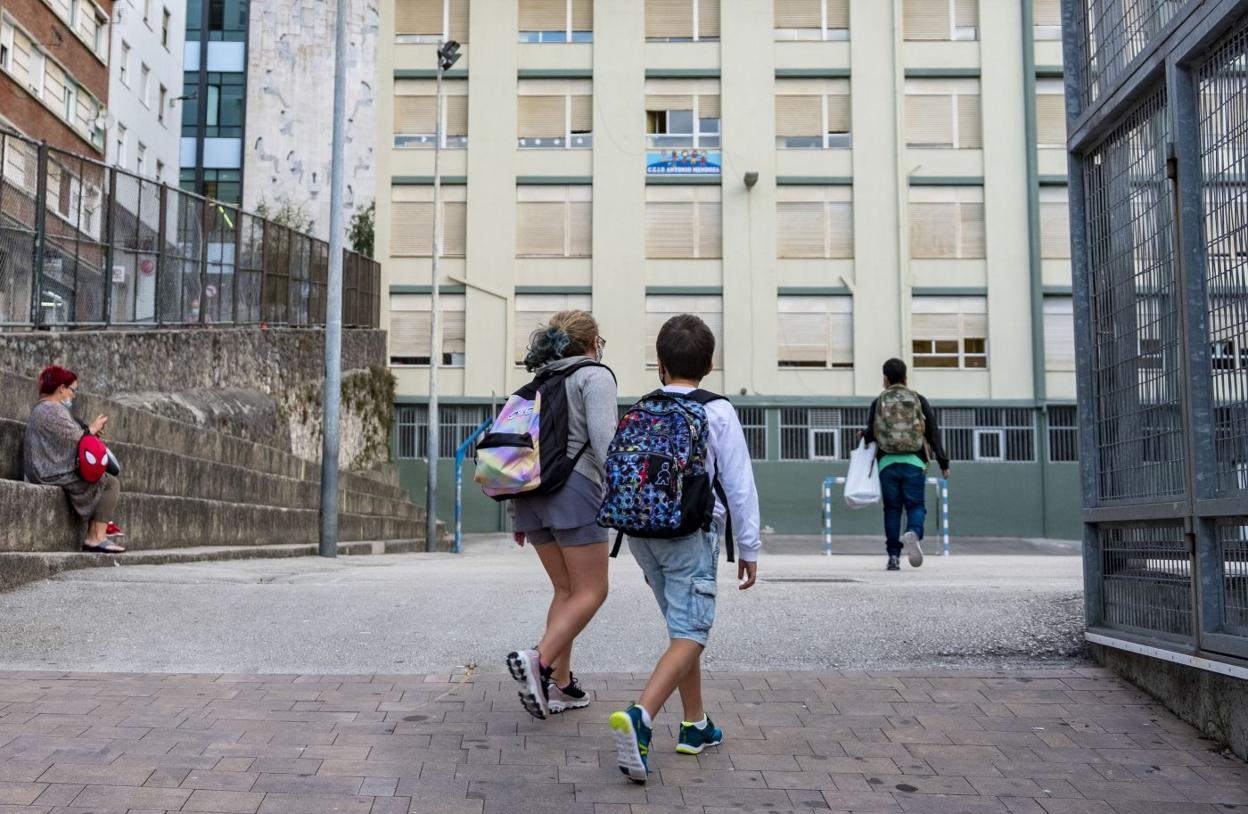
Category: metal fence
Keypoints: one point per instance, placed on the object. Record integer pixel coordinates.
(87, 245)
(1157, 108)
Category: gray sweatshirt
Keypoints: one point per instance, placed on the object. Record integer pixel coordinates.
(592, 414)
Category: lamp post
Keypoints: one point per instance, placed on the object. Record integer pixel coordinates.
(448, 55)
(332, 395)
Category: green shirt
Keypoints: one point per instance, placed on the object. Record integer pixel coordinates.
(904, 458)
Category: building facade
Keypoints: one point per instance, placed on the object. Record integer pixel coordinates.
(54, 58)
(827, 183)
(145, 87)
(214, 112)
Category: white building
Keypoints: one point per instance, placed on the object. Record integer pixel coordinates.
(145, 83)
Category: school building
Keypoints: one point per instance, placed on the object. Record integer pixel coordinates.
(827, 183)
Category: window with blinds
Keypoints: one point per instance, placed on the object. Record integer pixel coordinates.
(950, 332)
(533, 312)
(682, 113)
(682, 20)
(415, 113)
(815, 332)
(554, 221)
(683, 222)
(556, 20)
(555, 114)
(410, 329)
(1050, 113)
(662, 307)
(940, 19)
(814, 222)
(1059, 334)
(431, 20)
(943, 113)
(1054, 223)
(411, 220)
(811, 20)
(946, 223)
(1047, 19)
(812, 114)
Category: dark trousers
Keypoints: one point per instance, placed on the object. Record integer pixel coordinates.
(903, 487)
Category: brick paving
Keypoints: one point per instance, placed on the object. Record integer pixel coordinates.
(1076, 741)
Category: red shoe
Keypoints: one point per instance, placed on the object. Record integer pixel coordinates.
(114, 530)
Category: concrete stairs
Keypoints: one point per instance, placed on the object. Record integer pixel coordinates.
(188, 493)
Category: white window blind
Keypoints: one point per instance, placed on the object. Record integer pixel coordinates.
(411, 221)
(814, 222)
(554, 113)
(812, 113)
(1059, 334)
(554, 221)
(811, 19)
(708, 20)
(669, 19)
(410, 325)
(543, 15)
(1050, 113)
(683, 222)
(431, 20)
(950, 332)
(1047, 19)
(662, 307)
(533, 312)
(940, 19)
(946, 223)
(415, 111)
(943, 113)
(1054, 223)
(815, 332)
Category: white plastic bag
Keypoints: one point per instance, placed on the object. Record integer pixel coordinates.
(862, 483)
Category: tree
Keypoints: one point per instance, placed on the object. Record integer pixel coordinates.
(361, 231)
(292, 216)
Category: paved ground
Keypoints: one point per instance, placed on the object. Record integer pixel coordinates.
(431, 613)
(1072, 741)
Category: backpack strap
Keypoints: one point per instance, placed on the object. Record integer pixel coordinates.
(703, 397)
(723, 497)
(619, 540)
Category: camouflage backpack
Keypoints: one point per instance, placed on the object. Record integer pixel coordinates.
(899, 424)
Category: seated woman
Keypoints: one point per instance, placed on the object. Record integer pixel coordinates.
(50, 455)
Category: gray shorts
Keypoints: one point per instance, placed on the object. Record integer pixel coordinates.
(568, 517)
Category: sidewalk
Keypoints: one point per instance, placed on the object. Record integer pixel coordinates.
(1073, 741)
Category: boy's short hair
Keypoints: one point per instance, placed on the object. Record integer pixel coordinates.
(686, 347)
(895, 371)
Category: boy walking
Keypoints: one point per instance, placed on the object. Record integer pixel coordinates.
(681, 570)
(903, 426)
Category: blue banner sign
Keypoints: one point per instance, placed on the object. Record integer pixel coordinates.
(682, 161)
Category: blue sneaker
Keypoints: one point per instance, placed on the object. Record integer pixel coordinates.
(694, 740)
(632, 743)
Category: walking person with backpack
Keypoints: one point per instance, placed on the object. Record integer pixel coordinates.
(679, 471)
(545, 453)
(902, 425)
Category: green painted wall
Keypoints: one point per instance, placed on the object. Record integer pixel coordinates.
(987, 500)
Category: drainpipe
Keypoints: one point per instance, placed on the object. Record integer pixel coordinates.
(904, 280)
(1039, 385)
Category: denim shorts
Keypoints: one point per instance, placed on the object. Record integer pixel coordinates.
(681, 572)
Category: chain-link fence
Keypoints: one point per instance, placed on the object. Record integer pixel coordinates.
(86, 245)
(1157, 104)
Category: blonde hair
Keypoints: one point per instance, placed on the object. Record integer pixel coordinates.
(568, 333)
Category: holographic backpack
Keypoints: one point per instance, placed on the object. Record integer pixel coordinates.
(525, 451)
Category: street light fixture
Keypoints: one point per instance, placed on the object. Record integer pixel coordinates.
(448, 55)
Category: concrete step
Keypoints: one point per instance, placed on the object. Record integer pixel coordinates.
(152, 471)
(128, 425)
(19, 568)
(45, 522)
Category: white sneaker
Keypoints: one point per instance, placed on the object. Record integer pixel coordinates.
(525, 668)
(911, 542)
(566, 698)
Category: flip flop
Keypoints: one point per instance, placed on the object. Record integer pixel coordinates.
(104, 548)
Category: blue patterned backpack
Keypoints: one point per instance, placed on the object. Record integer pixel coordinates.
(656, 484)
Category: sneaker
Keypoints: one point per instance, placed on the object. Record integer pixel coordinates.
(894, 562)
(911, 542)
(632, 743)
(525, 668)
(113, 530)
(561, 699)
(694, 740)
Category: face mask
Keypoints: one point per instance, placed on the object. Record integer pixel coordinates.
(69, 403)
